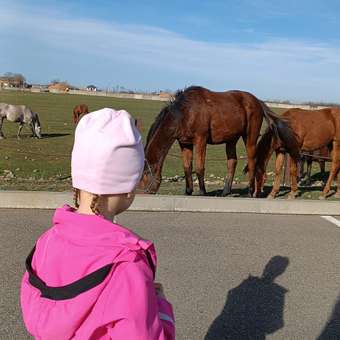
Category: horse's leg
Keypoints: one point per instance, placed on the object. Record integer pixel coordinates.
(309, 170)
(334, 169)
(300, 169)
(280, 157)
(19, 130)
(337, 195)
(293, 179)
(322, 165)
(187, 151)
(250, 143)
(32, 128)
(230, 149)
(200, 151)
(1, 133)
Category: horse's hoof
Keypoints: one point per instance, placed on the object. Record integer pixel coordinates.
(337, 195)
(271, 196)
(292, 195)
(2, 137)
(202, 193)
(188, 192)
(225, 193)
(322, 197)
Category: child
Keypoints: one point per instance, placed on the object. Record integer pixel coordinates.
(88, 278)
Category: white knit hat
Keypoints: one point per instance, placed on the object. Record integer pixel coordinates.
(108, 154)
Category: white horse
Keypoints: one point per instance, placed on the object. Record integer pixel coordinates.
(20, 114)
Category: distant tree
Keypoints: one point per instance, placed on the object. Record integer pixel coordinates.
(19, 79)
(15, 79)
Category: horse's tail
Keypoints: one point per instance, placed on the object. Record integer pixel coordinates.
(264, 149)
(282, 131)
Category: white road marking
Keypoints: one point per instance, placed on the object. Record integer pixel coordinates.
(332, 220)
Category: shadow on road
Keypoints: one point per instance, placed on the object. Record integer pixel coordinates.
(254, 308)
(332, 328)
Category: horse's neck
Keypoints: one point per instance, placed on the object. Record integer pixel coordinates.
(158, 147)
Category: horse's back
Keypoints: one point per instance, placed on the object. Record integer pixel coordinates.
(314, 128)
(309, 118)
(3, 107)
(16, 113)
(222, 115)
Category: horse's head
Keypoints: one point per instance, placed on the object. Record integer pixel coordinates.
(37, 126)
(151, 181)
(261, 177)
(76, 117)
(79, 111)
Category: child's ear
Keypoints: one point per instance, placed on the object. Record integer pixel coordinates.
(138, 123)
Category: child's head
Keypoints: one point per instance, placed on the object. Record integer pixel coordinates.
(107, 160)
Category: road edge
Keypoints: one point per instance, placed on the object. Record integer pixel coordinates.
(52, 200)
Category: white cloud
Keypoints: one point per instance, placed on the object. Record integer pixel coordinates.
(277, 68)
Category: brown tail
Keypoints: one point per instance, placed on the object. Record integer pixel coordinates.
(264, 150)
(282, 130)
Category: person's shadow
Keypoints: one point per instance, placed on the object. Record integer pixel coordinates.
(254, 308)
(332, 328)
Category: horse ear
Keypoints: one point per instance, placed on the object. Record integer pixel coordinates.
(138, 123)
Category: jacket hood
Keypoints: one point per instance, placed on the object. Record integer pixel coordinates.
(94, 230)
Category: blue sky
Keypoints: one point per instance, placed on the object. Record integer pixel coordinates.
(274, 49)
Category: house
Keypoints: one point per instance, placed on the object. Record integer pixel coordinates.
(165, 95)
(58, 87)
(12, 81)
(91, 88)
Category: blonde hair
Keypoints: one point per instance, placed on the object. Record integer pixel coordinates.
(94, 204)
(76, 193)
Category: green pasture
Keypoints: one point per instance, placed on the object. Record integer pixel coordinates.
(32, 164)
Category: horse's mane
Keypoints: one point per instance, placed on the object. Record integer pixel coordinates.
(156, 123)
(175, 107)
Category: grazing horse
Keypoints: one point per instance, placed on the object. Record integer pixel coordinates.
(79, 111)
(197, 117)
(20, 114)
(314, 129)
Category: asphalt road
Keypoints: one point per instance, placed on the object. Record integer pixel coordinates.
(229, 276)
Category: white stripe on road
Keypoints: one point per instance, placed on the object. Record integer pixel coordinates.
(332, 220)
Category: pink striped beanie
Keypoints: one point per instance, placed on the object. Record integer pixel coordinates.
(107, 155)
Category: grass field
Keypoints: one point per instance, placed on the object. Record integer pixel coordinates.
(31, 164)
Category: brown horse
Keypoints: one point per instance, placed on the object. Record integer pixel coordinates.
(197, 117)
(79, 111)
(314, 130)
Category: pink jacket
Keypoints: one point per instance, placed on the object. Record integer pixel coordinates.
(123, 306)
